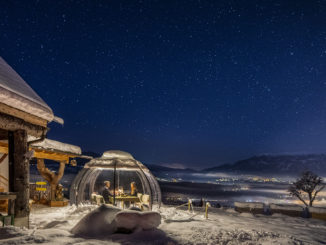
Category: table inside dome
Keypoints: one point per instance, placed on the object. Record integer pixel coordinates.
(124, 199)
(118, 170)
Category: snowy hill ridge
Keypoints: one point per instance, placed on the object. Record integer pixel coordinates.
(280, 164)
(262, 164)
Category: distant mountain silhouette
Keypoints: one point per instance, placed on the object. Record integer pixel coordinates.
(160, 169)
(276, 164)
(290, 165)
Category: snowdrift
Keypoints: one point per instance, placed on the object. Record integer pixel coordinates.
(106, 220)
(318, 213)
(249, 207)
(132, 220)
(97, 223)
(291, 210)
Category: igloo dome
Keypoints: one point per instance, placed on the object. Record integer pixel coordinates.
(115, 178)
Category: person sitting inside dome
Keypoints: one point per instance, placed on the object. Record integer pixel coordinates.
(133, 188)
(106, 193)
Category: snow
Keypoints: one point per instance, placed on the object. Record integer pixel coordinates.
(106, 220)
(229, 227)
(120, 159)
(117, 154)
(251, 205)
(317, 210)
(111, 158)
(15, 92)
(48, 144)
(133, 220)
(97, 223)
(223, 226)
(286, 207)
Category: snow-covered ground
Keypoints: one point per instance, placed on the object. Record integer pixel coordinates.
(53, 225)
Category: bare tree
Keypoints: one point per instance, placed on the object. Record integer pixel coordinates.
(308, 185)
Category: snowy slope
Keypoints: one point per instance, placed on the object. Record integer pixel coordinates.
(53, 225)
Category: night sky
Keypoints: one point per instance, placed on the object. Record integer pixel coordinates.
(195, 83)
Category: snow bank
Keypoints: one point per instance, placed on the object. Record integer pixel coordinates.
(286, 207)
(97, 223)
(290, 210)
(132, 220)
(170, 214)
(318, 213)
(106, 220)
(250, 205)
(248, 215)
(230, 210)
(317, 210)
(42, 216)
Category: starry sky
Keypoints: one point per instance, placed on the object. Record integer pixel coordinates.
(176, 82)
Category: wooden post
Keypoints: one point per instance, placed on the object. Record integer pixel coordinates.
(189, 205)
(206, 209)
(20, 176)
(11, 160)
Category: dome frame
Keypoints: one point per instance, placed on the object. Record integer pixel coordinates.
(83, 184)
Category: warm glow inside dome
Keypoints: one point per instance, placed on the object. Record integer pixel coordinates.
(124, 174)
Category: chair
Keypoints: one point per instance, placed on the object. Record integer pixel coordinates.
(139, 204)
(99, 199)
(93, 198)
(3, 203)
(143, 201)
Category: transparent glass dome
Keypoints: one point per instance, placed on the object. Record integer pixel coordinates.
(120, 169)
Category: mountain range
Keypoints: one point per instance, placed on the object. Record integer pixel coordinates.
(265, 164)
(262, 164)
(276, 164)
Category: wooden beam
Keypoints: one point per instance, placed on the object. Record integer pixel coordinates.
(37, 149)
(3, 134)
(42, 154)
(23, 115)
(52, 156)
(3, 148)
(11, 123)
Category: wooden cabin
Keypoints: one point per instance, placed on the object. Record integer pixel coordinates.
(23, 114)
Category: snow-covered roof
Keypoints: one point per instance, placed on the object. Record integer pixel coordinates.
(117, 154)
(15, 92)
(115, 159)
(53, 145)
